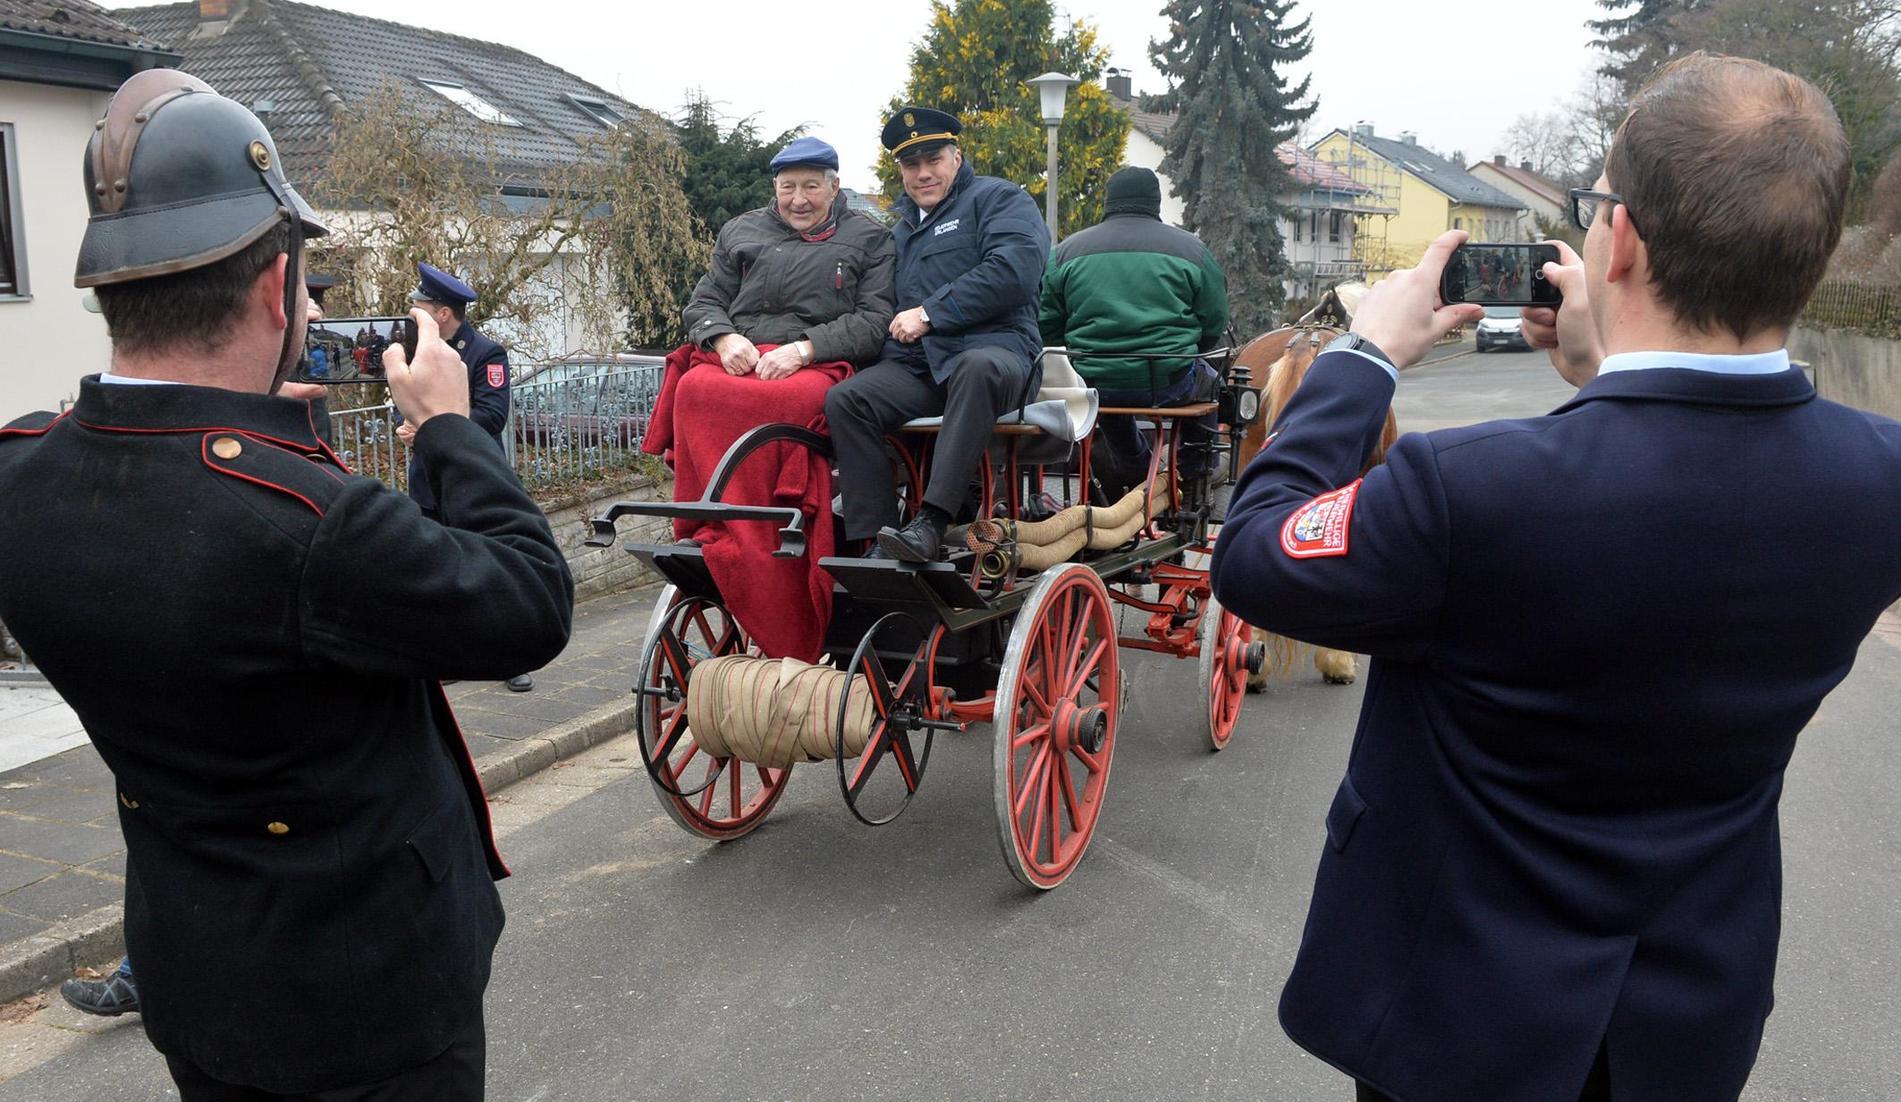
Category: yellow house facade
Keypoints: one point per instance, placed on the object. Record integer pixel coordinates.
(1430, 194)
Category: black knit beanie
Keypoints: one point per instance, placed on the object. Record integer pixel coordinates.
(1135, 191)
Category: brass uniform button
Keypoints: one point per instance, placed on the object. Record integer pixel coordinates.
(277, 828)
(227, 447)
(128, 801)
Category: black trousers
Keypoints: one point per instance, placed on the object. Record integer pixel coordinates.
(983, 385)
(1597, 1085)
(454, 1076)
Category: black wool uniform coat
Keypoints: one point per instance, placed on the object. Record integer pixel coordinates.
(252, 637)
(487, 362)
(1595, 638)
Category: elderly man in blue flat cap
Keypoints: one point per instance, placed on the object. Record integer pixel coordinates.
(803, 272)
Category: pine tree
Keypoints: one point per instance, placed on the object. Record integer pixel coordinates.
(1225, 62)
(1640, 36)
(973, 61)
(728, 172)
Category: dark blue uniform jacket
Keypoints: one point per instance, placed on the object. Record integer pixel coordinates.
(1595, 637)
(488, 401)
(976, 266)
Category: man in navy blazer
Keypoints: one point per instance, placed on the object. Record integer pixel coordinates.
(1553, 869)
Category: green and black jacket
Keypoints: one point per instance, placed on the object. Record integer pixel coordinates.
(1133, 284)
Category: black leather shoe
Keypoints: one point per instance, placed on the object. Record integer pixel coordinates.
(108, 998)
(521, 683)
(918, 541)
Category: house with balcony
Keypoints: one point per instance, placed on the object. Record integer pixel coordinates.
(59, 62)
(1428, 194)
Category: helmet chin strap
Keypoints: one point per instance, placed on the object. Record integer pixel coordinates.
(291, 352)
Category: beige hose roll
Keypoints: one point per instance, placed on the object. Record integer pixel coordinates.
(1048, 531)
(996, 559)
(775, 711)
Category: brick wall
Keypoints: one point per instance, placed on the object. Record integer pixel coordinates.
(597, 570)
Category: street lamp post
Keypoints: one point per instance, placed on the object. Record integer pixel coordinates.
(1052, 89)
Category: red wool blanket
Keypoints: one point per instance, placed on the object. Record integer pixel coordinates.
(784, 604)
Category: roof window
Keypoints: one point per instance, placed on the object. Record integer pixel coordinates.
(598, 109)
(470, 102)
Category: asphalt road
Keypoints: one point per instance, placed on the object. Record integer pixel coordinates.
(819, 959)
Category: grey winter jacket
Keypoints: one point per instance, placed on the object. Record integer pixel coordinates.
(773, 285)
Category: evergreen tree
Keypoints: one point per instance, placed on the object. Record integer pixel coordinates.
(728, 172)
(973, 62)
(1224, 61)
(1640, 36)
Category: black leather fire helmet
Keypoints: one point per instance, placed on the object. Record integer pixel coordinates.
(179, 177)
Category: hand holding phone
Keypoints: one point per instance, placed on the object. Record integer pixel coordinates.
(435, 381)
(351, 350)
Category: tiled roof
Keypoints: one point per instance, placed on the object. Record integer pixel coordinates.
(1311, 172)
(1156, 124)
(1537, 183)
(310, 62)
(75, 19)
(1442, 174)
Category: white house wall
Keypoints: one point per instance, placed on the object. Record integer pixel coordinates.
(1145, 152)
(48, 340)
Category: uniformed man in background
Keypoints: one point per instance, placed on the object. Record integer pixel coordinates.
(447, 299)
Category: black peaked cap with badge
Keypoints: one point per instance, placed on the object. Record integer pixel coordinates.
(914, 131)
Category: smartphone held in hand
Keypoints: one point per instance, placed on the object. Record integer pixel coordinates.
(1500, 275)
(350, 350)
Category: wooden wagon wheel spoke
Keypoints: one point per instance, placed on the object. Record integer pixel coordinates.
(683, 632)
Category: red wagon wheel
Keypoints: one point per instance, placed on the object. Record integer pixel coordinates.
(1228, 654)
(717, 798)
(1057, 706)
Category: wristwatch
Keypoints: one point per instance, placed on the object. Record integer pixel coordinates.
(1353, 342)
(922, 316)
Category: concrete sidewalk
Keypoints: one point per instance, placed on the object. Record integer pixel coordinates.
(62, 860)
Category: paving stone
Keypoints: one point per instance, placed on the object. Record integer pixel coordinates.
(57, 898)
(499, 725)
(13, 927)
(18, 872)
(79, 767)
(52, 840)
(112, 864)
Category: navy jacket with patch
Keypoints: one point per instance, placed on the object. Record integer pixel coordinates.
(976, 266)
(253, 638)
(1595, 638)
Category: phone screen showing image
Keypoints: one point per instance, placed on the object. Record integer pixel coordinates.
(350, 350)
(1500, 275)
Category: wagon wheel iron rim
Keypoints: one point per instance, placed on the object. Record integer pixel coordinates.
(903, 707)
(1058, 706)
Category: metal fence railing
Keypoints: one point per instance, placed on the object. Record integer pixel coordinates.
(571, 422)
(1870, 308)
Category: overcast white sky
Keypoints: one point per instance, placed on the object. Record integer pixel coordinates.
(1456, 73)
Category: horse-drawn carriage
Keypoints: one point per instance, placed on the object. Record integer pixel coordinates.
(1018, 627)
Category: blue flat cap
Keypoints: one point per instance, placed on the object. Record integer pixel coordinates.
(806, 151)
(436, 285)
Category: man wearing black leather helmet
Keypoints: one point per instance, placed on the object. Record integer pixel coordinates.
(252, 636)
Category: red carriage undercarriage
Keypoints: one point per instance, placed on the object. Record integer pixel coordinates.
(980, 637)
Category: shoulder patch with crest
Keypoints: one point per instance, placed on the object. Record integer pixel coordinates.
(1320, 528)
(497, 373)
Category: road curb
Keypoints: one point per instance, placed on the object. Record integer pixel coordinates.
(35, 963)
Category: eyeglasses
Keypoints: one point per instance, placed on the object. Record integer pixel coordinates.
(1585, 202)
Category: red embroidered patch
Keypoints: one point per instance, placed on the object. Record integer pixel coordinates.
(1320, 527)
(497, 374)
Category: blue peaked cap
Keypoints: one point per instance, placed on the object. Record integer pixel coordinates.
(806, 151)
(436, 285)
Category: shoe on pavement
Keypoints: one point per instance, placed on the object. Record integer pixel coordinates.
(521, 683)
(918, 541)
(107, 998)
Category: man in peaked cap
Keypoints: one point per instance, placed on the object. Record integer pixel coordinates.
(186, 561)
(447, 299)
(971, 251)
